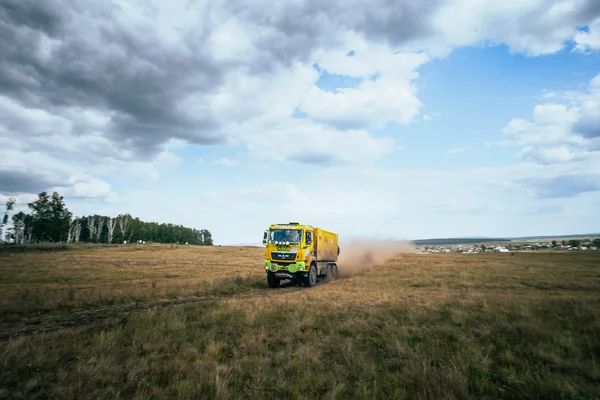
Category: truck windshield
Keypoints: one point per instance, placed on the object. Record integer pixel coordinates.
(285, 235)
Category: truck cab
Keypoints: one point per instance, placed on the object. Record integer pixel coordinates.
(301, 253)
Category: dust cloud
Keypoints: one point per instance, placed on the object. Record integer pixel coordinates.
(360, 255)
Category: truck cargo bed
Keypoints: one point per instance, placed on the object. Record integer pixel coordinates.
(326, 245)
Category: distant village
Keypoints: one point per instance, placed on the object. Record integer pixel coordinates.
(564, 245)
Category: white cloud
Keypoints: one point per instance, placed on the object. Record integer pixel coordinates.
(534, 27)
(501, 143)
(371, 105)
(226, 162)
(551, 155)
(232, 40)
(21, 200)
(555, 114)
(457, 150)
(42, 151)
(266, 98)
(167, 160)
(370, 59)
(561, 128)
(304, 141)
(590, 40)
(516, 126)
(390, 97)
(562, 139)
(87, 187)
(259, 113)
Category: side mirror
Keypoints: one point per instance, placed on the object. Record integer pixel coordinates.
(265, 234)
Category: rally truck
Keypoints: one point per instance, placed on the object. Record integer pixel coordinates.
(300, 253)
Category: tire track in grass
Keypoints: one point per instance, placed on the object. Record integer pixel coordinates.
(33, 323)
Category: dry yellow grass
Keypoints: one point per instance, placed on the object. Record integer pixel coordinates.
(84, 276)
(421, 326)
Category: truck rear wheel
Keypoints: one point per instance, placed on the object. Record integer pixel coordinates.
(311, 279)
(272, 280)
(333, 270)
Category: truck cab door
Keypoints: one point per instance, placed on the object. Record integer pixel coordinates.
(308, 239)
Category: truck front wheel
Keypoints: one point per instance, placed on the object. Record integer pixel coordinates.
(272, 280)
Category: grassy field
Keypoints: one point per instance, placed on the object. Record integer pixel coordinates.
(188, 322)
(83, 276)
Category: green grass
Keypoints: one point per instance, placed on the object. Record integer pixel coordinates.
(483, 326)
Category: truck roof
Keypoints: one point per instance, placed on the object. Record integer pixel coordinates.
(290, 225)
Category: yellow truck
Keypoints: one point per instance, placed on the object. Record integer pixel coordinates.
(300, 253)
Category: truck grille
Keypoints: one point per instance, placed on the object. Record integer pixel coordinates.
(276, 255)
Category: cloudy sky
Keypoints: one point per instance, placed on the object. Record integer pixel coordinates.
(383, 118)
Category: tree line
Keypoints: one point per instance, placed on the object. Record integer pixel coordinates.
(578, 242)
(452, 241)
(49, 220)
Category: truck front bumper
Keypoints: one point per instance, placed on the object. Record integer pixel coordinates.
(292, 268)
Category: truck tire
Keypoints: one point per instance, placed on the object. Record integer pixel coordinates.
(272, 280)
(333, 271)
(311, 279)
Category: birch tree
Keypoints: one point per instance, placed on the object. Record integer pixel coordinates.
(91, 223)
(71, 231)
(111, 223)
(9, 206)
(28, 229)
(19, 227)
(77, 231)
(123, 223)
(99, 227)
(74, 231)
